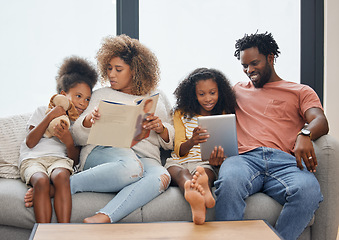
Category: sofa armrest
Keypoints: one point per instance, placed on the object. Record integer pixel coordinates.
(327, 217)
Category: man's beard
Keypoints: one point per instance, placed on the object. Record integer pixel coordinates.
(264, 78)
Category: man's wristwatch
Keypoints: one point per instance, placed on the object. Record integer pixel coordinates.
(305, 132)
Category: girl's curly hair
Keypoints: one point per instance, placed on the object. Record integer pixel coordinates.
(143, 63)
(187, 101)
(263, 41)
(75, 70)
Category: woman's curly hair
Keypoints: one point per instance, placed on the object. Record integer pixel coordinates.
(187, 101)
(143, 63)
(263, 41)
(75, 70)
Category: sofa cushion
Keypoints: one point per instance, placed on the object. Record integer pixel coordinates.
(12, 133)
(12, 208)
(14, 213)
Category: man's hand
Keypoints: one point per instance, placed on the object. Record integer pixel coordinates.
(304, 150)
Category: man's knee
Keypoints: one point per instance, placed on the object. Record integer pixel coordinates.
(307, 191)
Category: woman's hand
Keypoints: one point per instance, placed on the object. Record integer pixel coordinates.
(154, 123)
(91, 118)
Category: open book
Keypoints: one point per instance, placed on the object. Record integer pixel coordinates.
(120, 124)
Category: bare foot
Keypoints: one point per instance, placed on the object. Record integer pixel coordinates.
(194, 197)
(200, 177)
(98, 218)
(29, 198)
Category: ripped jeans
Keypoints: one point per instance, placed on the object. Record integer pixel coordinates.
(137, 180)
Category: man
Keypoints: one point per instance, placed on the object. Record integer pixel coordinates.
(276, 123)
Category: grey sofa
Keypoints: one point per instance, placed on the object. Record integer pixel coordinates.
(16, 221)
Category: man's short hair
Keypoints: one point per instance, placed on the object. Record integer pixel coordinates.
(263, 41)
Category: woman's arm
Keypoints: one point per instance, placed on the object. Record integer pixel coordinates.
(154, 123)
(163, 124)
(180, 134)
(167, 122)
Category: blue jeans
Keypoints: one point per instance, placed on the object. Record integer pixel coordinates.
(137, 180)
(276, 174)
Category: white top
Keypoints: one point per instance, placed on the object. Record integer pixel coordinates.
(149, 147)
(46, 146)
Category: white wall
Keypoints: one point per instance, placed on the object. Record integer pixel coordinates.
(186, 34)
(35, 37)
(331, 43)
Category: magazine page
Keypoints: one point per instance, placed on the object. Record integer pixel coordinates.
(146, 107)
(120, 125)
(114, 126)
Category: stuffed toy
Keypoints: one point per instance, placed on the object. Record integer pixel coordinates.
(72, 113)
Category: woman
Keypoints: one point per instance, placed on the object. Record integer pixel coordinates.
(136, 174)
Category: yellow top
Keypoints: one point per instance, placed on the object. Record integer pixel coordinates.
(183, 131)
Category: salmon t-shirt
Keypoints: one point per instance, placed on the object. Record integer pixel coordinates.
(273, 115)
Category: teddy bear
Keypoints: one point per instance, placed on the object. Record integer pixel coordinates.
(72, 113)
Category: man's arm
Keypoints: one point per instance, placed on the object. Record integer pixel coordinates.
(318, 125)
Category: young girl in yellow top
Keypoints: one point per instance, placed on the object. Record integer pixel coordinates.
(204, 92)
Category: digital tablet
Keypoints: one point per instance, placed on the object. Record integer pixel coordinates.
(222, 131)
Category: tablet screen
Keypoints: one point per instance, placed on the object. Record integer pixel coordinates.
(222, 131)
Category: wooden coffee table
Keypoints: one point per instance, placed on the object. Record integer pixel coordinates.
(254, 229)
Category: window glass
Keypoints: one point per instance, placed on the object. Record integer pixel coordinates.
(197, 33)
(36, 35)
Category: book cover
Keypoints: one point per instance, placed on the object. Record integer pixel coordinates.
(120, 124)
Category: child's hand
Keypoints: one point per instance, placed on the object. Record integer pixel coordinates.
(62, 132)
(217, 156)
(91, 118)
(199, 135)
(56, 112)
(95, 115)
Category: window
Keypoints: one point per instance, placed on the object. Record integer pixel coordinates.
(197, 33)
(36, 36)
